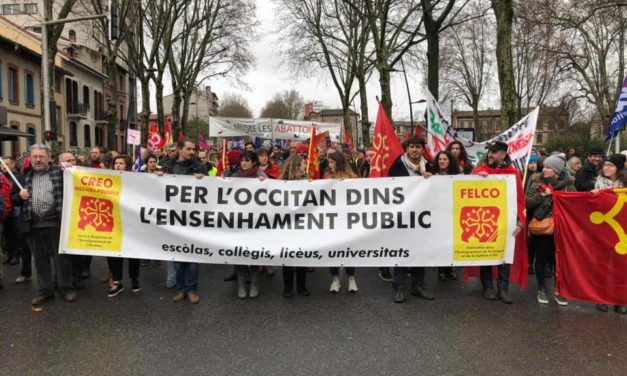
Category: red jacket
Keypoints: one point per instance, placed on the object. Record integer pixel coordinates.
(519, 270)
(6, 187)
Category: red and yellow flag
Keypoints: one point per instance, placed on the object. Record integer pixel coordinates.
(386, 146)
(313, 167)
(591, 245)
(224, 164)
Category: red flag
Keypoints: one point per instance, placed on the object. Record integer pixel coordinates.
(385, 145)
(168, 131)
(181, 136)
(202, 143)
(224, 164)
(155, 140)
(406, 136)
(347, 140)
(313, 168)
(591, 245)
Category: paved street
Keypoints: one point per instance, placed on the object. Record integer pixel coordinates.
(346, 334)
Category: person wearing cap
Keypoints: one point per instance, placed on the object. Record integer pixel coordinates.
(587, 174)
(411, 163)
(612, 176)
(553, 178)
(497, 162)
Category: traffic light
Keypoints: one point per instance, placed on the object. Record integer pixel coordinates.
(50, 136)
(114, 21)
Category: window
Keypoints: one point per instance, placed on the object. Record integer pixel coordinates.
(13, 85)
(15, 145)
(32, 140)
(11, 9)
(539, 138)
(30, 90)
(86, 96)
(73, 134)
(87, 135)
(31, 8)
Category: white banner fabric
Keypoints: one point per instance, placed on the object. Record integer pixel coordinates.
(275, 129)
(440, 221)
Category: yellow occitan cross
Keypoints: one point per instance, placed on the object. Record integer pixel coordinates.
(610, 218)
(381, 148)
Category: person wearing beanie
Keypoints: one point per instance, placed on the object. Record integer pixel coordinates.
(612, 176)
(539, 198)
(587, 174)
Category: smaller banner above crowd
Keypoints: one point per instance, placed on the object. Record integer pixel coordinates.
(591, 245)
(519, 137)
(275, 129)
(411, 221)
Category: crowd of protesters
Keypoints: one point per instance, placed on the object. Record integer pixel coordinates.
(31, 216)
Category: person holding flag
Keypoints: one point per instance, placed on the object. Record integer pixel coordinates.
(499, 163)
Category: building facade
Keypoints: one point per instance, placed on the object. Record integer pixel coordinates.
(202, 105)
(551, 122)
(337, 116)
(81, 84)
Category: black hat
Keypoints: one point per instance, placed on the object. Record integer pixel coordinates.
(595, 151)
(617, 160)
(497, 146)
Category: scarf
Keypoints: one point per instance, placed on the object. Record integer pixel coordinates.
(418, 168)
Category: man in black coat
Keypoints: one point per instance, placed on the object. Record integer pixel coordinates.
(411, 163)
(586, 176)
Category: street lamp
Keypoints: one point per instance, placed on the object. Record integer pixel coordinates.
(411, 110)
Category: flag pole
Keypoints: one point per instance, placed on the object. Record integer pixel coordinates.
(11, 174)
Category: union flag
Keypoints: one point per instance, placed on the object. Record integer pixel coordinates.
(386, 146)
(591, 245)
(155, 140)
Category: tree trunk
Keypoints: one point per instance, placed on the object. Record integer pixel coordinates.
(176, 113)
(144, 119)
(185, 114)
(112, 111)
(347, 122)
(384, 83)
(480, 133)
(504, 13)
(433, 62)
(160, 108)
(365, 124)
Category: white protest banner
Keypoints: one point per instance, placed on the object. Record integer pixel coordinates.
(235, 127)
(519, 139)
(301, 130)
(443, 220)
(438, 125)
(276, 129)
(133, 137)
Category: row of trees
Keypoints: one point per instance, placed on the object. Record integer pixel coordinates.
(541, 51)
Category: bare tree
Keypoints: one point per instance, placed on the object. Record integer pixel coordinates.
(467, 61)
(285, 105)
(214, 42)
(395, 27)
(592, 49)
(116, 54)
(537, 71)
(53, 33)
(438, 16)
(330, 35)
(234, 105)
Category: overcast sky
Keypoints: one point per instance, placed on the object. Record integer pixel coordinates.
(268, 77)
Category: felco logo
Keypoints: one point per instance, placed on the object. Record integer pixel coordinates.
(479, 224)
(96, 212)
(610, 218)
